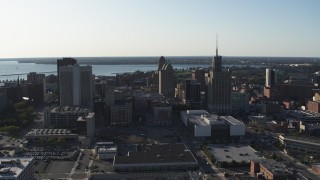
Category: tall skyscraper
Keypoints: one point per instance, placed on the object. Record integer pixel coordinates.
(162, 61)
(64, 62)
(219, 88)
(75, 83)
(270, 77)
(166, 79)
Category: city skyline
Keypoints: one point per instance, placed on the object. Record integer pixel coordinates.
(171, 28)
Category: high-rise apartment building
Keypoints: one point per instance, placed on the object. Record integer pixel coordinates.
(219, 88)
(166, 79)
(75, 83)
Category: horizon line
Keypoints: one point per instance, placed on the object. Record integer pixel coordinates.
(142, 56)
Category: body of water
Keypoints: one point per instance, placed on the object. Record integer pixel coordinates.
(9, 70)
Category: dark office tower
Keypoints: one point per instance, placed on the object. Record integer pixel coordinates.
(192, 92)
(199, 75)
(166, 80)
(162, 61)
(216, 64)
(75, 85)
(219, 88)
(64, 62)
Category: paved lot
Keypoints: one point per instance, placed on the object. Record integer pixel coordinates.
(59, 167)
(232, 152)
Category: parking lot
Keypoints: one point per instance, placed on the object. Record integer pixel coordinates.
(46, 153)
(231, 153)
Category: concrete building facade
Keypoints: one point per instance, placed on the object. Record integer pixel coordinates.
(16, 168)
(76, 87)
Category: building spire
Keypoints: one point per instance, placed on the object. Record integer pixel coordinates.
(217, 44)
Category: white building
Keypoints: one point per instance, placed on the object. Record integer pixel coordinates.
(237, 128)
(203, 124)
(16, 168)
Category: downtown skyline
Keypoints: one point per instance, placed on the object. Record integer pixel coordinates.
(153, 28)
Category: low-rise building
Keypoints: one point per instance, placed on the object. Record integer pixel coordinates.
(203, 124)
(258, 120)
(306, 117)
(162, 115)
(16, 168)
(106, 150)
(309, 128)
(270, 169)
(86, 125)
(64, 134)
(157, 157)
(300, 144)
(63, 117)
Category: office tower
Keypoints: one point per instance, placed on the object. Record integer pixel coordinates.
(166, 79)
(75, 83)
(219, 88)
(199, 75)
(64, 62)
(162, 61)
(33, 77)
(192, 91)
(270, 77)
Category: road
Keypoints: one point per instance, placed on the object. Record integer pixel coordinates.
(81, 167)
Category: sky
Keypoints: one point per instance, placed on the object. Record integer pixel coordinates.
(90, 28)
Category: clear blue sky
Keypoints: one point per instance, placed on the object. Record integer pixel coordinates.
(56, 28)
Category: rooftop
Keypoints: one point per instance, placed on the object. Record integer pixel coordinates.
(197, 112)
(231, 120)
(12, 167)
(160, 153)
(49, 132)
(236, 153)
(303, 114)
(68, 109)
(274, 166)
(302, 139)
(109, 149)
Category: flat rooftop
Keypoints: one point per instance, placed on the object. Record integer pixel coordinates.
(159, 153)
(302, 139)
(232, 120)
(197, 120)
(303, 114)
(12, 167)
(50, 132)
(197, 112)
(111, 149)
(230, 153)
(274, 166)
(68, 109)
